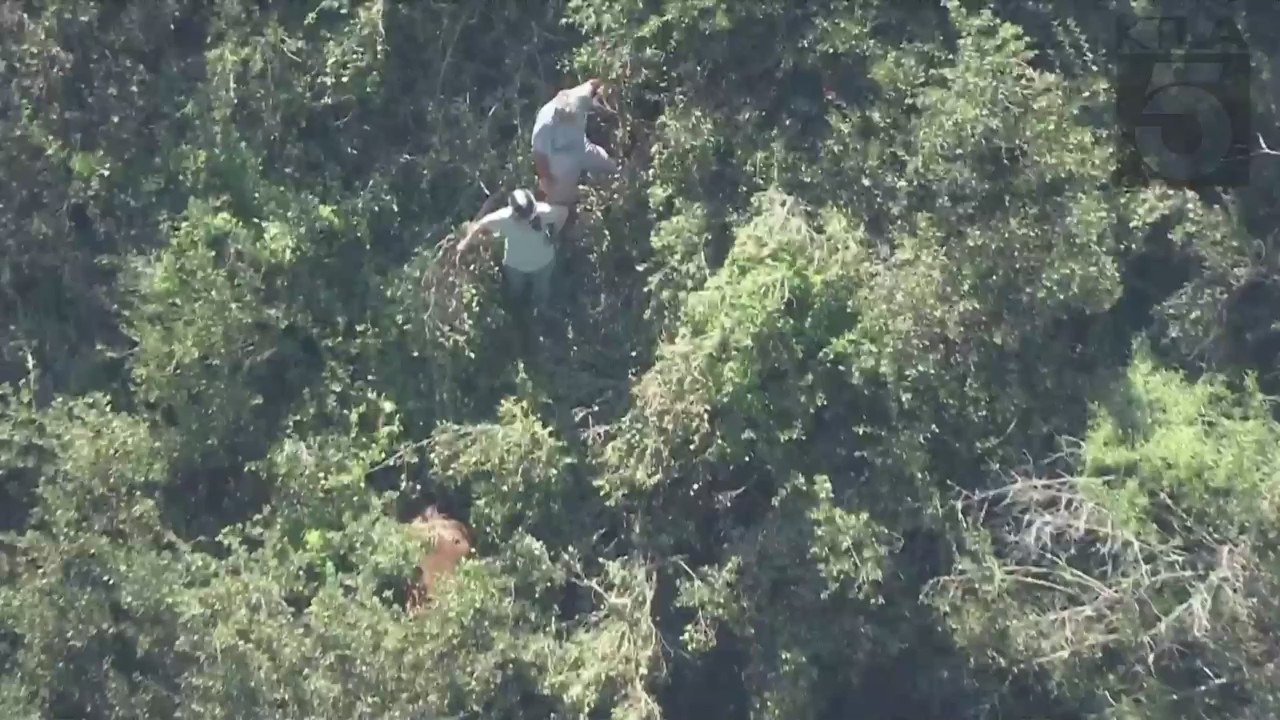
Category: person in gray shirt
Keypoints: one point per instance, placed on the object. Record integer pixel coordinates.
(561, 150)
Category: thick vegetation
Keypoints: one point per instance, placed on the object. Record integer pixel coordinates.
(874, 394)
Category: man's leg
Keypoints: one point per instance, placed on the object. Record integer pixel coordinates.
(596, 161)
(518, 309)
(595, 164)
(568, 219)
(566, 172)
(564, 192)
(564, 189)
(540, 280)
(550, 306)
(514, 283)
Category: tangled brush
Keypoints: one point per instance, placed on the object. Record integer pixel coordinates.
(443, 284)
(447, 282)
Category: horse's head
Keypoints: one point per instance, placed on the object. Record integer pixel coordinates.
(447, 541)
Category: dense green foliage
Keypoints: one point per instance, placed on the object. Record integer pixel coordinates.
(875, 395)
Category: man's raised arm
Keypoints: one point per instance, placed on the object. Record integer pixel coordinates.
(542, 168)
(555, 216)
(483, 225)
(584, 95)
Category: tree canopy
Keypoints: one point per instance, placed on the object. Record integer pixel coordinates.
(877, 392)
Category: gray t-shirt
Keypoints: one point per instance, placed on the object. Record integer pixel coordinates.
(562, 136)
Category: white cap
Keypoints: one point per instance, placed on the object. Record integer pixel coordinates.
(522, 203)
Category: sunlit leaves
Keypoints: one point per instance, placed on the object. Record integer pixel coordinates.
(1149, 568)
(520, 473)
(743, 484)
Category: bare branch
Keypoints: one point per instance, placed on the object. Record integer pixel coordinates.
(1263, 149)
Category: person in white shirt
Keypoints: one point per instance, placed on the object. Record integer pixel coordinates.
(528, 228)
(561, 150)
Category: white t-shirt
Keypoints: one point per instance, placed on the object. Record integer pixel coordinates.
(527, 250)
(563, 137)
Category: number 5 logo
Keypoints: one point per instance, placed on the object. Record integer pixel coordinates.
(1171, 107)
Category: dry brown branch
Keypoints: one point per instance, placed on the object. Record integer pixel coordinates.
(1082, 579)
(442, 288)
(639, 640)
(447, 55)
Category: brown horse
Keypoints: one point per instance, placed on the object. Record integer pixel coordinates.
(448, 541)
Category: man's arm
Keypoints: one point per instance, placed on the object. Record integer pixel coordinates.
(542, 167)
(483, 225)
(554, 216)
(583, 95)
(543, 129)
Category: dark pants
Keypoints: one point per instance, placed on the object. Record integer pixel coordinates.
(537, 284)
